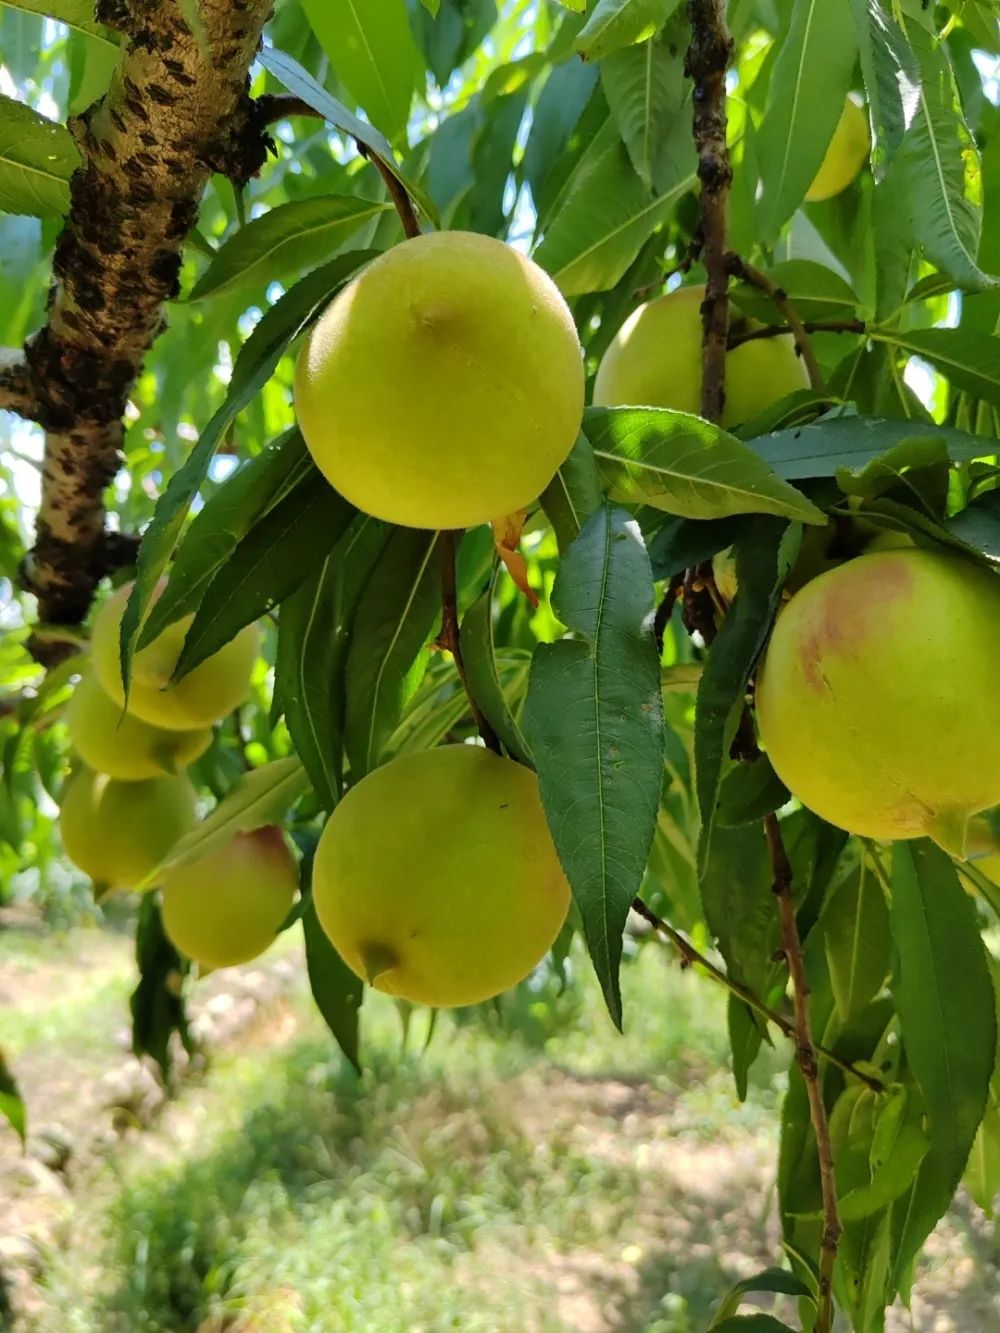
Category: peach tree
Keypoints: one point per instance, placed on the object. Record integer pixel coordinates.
(767, 233)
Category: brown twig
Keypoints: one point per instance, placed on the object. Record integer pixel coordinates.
(706, 63)
(666, 609)
(737, 337)
(451, 640)
(747, 273)
(691, 956)
(279, 106)
(806, 1052)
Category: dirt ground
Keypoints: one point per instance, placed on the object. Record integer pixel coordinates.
(703, 1200)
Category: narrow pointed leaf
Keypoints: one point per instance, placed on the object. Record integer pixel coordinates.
(479, 655)
(947, 1012)
(284, 240)
(11, 1102)
(811, 78)
(399, 611)
(594, 721)
(573, 493)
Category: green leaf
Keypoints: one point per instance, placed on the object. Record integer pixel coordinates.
(573, 493)
(617, 23)
(479, 655)
(811, 79)
(898, 1147)
(368, 43)
(337, 991)
(936, 168)
(313, 638)
(261, 796)
(300, 82)
(157, 1003)
(600, 227)
(594, 720)
(891, 75)
(777, 1281)
(970, 360)
(254, 366)
(11, 1102)
(221, 524)
(821, 449)
(855, 924)
(273, 559)
(685, 465)
(749, 792)
(77, 15)
(396, 617)
(37, 158)
(745, 1041)
(683, 543)
(285, 240)
(646, 90)
(763, 557)
(561, 103)
(978, 525)
(947, 1011)
(982, 1175)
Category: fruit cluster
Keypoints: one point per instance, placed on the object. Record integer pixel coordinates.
(130, 801)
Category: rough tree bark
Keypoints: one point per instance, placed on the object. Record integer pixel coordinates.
(177, 110)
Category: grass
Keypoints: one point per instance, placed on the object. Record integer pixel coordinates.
(460, 1189)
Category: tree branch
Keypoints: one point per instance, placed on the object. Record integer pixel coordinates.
(805, 1050)
(176, 111)
(740, 269)
(17, 393)
(706, 63)
(450, 638)
(691, 956)
(738, 338)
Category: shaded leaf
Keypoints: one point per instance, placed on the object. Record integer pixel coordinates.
(749, 792)
(313, 639)
(479, 655)
(646, 89)
(275, 557)
(157, 1003)
(777, 1281)
(399, 610)
(821, 449)
(891, 75)
(947, 1013)
(855, 924)
(573, 493)
(222, 522)
(969, 359)
(764, 554)
(12, 1106)
(594, 720)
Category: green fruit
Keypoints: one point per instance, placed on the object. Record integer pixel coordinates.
(845, 155)
(213, 689)
(654, 360)
(443, 387)
(877, 701)
(123, 746)
(117, 832)
(226, 908)
(436, 877)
